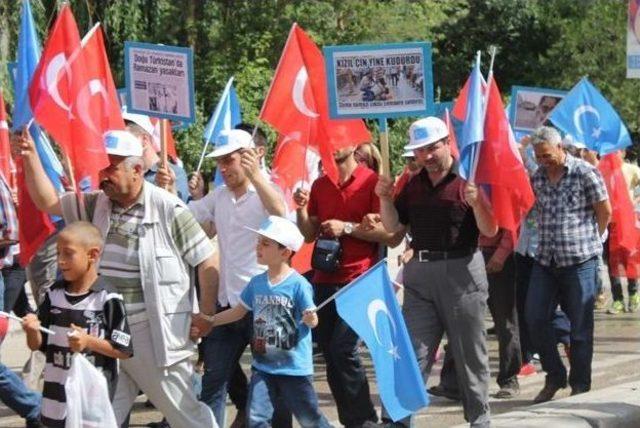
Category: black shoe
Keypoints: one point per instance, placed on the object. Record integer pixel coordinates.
(34, 423)
(162, 424)
(440, 391)
(547, 393)
(578, 390)
(507, 392)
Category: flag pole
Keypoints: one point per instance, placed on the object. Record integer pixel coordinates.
(216, 115)
(164, 124)
(384, 146)
(346, 287)
(492, 51)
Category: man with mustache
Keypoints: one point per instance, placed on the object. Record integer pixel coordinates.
(151, 244)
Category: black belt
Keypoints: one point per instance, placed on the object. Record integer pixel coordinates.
(432, 256)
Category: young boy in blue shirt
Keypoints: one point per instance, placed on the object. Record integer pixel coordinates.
(283, 313)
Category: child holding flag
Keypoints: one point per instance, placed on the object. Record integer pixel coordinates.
(85, 317)
(283, 312)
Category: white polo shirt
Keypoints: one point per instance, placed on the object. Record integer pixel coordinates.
(238, 262)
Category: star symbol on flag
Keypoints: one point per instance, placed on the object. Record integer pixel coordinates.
(394, 353)
(596, 132)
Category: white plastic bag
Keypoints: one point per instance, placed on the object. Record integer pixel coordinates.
(88, 404)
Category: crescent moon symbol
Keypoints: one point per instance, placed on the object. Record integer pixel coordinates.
(298, 93)
(91, 89)
(374, 307)
(51, 78)
(579, 112)
(3, 124)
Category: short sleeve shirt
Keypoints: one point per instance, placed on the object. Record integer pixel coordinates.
(567, 226)
(281, 342)
(439, 217)
(349, 202)
(103, 315)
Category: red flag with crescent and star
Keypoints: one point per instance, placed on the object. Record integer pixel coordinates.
(49, 91)
(93, 109)
(297, 106)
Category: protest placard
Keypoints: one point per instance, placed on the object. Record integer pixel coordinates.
(379, 81)
(633, 40)
(159, 81)
(530, 107)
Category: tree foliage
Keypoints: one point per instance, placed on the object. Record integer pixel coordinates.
(549, 43)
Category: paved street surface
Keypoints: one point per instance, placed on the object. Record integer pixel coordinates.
(616, 359)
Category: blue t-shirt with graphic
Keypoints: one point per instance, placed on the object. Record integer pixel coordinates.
(281, 342)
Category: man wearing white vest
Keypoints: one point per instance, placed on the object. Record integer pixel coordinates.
(151, 244)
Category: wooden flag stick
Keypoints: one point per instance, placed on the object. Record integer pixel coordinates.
(164, 124)
(384, 146)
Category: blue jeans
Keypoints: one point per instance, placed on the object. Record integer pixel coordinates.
(561, 325)
(294, 392)
(13, 392)
(222, 350)
(15, 395)
(14, 296)
(573, 287)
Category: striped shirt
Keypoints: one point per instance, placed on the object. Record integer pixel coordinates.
(8, 225)
(120, 262)
(103, 315)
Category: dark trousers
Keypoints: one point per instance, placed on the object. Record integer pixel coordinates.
(560, 323)
(574, 287)
(345, 374)
(502, 305)
(616, 287)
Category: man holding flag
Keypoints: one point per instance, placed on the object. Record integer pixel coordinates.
(445, 215)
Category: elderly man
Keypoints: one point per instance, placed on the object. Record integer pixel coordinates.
(573, 212)
(151, 243)
(173, 179)
(246, 199)
(445, 282)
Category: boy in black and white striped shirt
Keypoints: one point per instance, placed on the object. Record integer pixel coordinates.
(85, 316)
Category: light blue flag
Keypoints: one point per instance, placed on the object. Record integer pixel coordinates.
(370, 308)
(225, 117)
(473, 125)
(27, 61)
(589, 118)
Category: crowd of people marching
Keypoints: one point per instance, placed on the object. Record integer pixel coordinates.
(151, 264)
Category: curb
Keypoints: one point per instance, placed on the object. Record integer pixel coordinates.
(613, 407)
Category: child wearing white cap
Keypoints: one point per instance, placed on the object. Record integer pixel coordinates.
(283, 313)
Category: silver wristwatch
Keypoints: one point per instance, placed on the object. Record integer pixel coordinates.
(348, 228)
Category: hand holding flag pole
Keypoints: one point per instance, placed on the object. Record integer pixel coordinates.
(13, 317)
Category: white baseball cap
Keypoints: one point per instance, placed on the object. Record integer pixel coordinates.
(143, 121)
(569, 141)
(282, 231)
(121, 143)
(408, 154)
(426, 131)
(229, 141)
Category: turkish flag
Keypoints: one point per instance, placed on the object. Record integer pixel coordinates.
(94, 110)
(298, 107)
(500, 166)
(49, 91)
(6, 163)
(295, 164)
(624, 235)
(34, 226)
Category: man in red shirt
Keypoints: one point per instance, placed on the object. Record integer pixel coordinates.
(335, 210)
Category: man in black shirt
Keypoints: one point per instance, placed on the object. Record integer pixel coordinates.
(445, 282)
